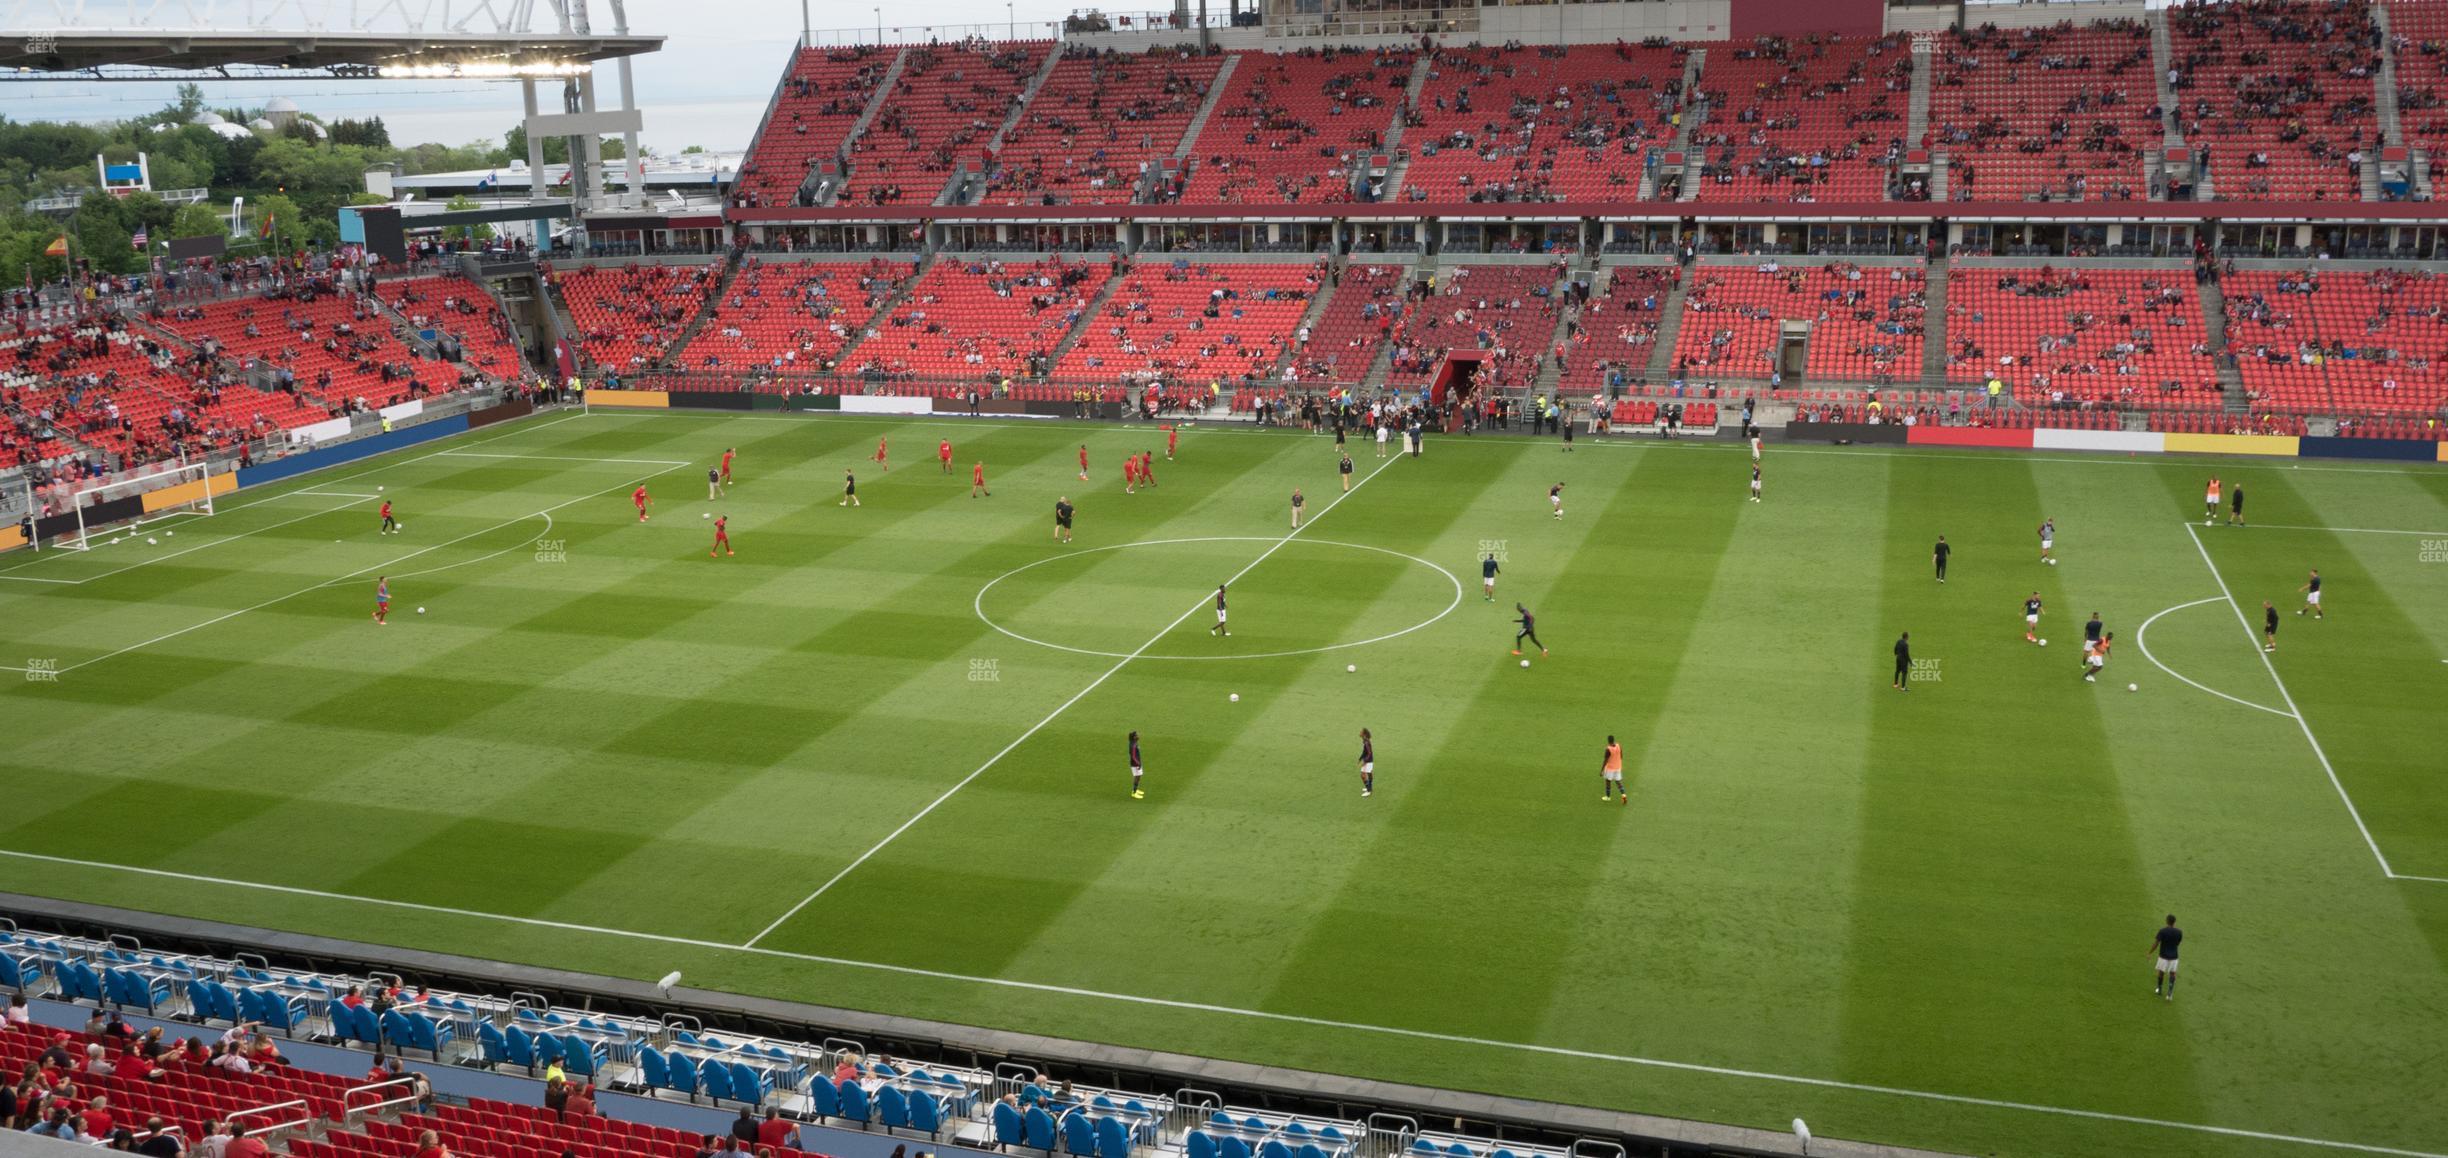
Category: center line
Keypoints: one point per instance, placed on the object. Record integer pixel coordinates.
(1124, 662)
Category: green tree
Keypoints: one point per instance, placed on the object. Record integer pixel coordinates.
(198, 220)
(101, 226)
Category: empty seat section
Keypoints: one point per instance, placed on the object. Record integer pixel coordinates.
(1865, 323)
(1507, 311)
(462, 310)
(2276, 94)
(1617, 331)
(1816, 119)
(1095, 121)
(792, 315)
(2420, 31)
(340, 350)
(820, 98)
(982, 320)
(628, 317)
(2128, 337)
(2340, 341)
(1194, 322)
(1541, 124)
(2061, 113)
(946, 107)
(1290, 126)
(1356, 323)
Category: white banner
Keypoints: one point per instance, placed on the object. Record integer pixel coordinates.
(2130, 441)
(886, 404)
(409, 409)
(319, 432)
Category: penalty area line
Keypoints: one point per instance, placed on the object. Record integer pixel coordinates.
(1279, 1018)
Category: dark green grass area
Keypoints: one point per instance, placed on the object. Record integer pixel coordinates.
(877, 759)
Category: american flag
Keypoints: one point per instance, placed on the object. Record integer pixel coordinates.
(141, 240)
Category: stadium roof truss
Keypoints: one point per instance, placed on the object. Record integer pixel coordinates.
(306, 39)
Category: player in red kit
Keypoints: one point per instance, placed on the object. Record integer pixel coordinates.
(1147, 468)
(722, 536)
(642, 500)
(1130, 474)
(1083, 462)
(728, 451)
(977, 481)
(943, 454)
(1172, 441)
(390, 526)
(382, 601)
(879, 455)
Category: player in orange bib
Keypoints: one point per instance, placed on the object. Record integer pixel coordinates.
(880, 454)
(1610, 774)
(977, 481)
(2210, 502)
(1083, 462)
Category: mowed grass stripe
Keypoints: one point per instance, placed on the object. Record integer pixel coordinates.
(1983, 884)
(977, 844)
(2366, 677)
(1736, 787)
(1260, 822)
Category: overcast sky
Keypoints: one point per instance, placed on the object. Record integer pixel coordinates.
(710, 82)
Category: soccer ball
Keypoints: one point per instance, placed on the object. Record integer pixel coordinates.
(1351, 667)
(2133, 687)
(2044, 643)
(397, 526)
(706, 515)
(1525, 663)
(378, 487)
(2052, 562)
(1236, 697)
(169, 534)
(150, 541)
(420, 611)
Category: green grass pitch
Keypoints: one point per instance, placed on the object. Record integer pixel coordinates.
(876, 759)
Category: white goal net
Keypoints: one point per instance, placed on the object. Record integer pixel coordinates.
(172, 490)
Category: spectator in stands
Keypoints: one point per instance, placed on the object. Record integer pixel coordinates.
(98, 1122)
(97, 1061)
(581, 1102)
(234, 1060)
(215, 1142)
(744, 1128)
(429, 1145)
(18, 1014)
(56, 1056)
(556, 1086)
(264, 1052)
(59, 1126)
(244, 1145)
(9, 1105)
(774, 1132)
(158, 1142)
(705, 1149)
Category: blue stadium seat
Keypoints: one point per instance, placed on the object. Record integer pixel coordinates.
(651, 1069)
(746, 1085)
(1233, 1146)
(1423, 1148)
(926, 1113)
(717, 1079)
(1079, 1134)
(521, 1050)
(684, 1074)
(1112, 1140)
(490, 1044)
(826, 1096)
(577, 1056)
(1009, 1129)
(892, 1108)
(1040, 1127)
(854, 1103)
(1199, 1145)
(395, 1029)
(1310, 1150)
(1272, 1148)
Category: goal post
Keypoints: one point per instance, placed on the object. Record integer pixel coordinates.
(170, 491)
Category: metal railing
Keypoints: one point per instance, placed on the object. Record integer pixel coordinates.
(305, 1116)
(406, 1083)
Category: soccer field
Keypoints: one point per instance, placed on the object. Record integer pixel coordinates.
(877, 758)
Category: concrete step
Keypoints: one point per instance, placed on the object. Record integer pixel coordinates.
(1916, 120)
(899, 296)
(1215, 93)
(875, 107)
(1670, 326)
(2384, 96)
(1309, 318)
(1088, 317)
(2214, 319)
(1934, 323)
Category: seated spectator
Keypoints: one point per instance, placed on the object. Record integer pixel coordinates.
(429, 1145)
(158, 1142)
(774, 1132)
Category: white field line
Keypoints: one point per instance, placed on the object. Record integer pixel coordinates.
(564, 458)
(1066, 705)
(7, 573)
(2339, 530)
(2142, 640)
(332, 495)
(359, 573)
(2317, 753)
(166, 556)
(1265, 1015)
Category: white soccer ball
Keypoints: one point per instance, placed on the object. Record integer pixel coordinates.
(1351, 667)
(1236, 697)
(2052, 562)
(706, 515)
(399, 526)
(169, 534)
(150, 541)
(1525, 663)
(420, 611)
(378, 488)
(2133, 687)
(2044, 643)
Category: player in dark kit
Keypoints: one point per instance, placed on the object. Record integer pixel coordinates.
(1346, 468)
(2091, 634)
(1220, 628)
(1062, 518)
(2235, 509)
(1487, 577)
(1137, 769)
(713, 483)
(1529, 631)
(849, 489)
(390, 526)
(2311, 590)
(722, 536)
(2163, 958)
(1368, 763)
(1938, 555)
(1903, 654)
(2269, 626)
(2031, 618)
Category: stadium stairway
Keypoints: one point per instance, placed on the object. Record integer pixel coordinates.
(1027, 103)
(1088, 317)
(2163, 51)
(1938, 176)
(1309, 317)
(875, 107)
(1916, 118)
(1933, 321)
(722, 290)
(1215, 92)
(900, 296)
(2214, 328)
(2384, 82)
(1670, 326)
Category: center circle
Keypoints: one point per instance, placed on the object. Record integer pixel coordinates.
(1119, 612)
